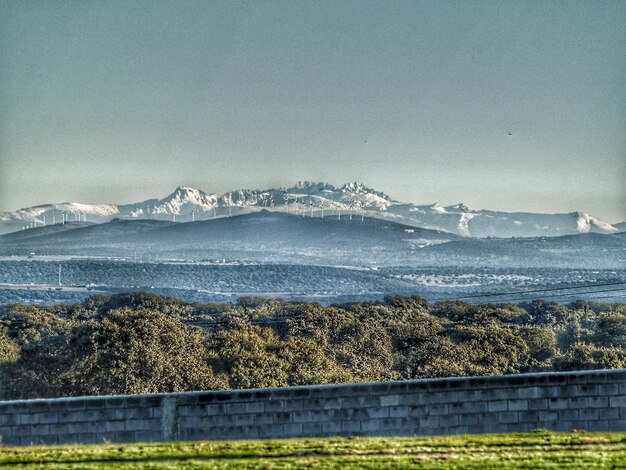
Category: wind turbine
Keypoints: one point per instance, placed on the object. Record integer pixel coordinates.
(322, 207)
(286, 198)
(359, 206)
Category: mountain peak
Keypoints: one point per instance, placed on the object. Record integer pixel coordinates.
(356, 187)
(459, 207)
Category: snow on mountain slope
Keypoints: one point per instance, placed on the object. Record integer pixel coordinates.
(352, 199)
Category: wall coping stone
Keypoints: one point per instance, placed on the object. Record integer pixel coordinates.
(515, 380)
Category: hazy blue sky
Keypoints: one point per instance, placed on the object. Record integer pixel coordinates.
(117, 101)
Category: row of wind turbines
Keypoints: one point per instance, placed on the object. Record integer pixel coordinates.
(297, 205)
(66, 216)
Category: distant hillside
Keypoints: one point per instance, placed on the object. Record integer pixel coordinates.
(287, 238)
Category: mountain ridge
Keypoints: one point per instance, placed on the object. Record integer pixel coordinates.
(188, 204)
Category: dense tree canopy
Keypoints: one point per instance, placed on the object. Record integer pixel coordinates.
(143, 343)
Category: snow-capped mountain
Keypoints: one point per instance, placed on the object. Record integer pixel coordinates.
(314, 199)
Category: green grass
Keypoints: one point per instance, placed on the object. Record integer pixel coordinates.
(539, 449)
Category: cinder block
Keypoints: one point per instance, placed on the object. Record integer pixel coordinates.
(282, 418)
(20, 431)
(353, 402)
(548, 416)
(466, 420)
(578, 402)
(26, 418)
(438, 410)
(209, 410)
(508, 417)
(243, 420)
(617, 401)
(568, 415)
(477, 429)
(393, 423)
(528, 392)
(534, 405)
(390, 400)
(528, 416)
(292, 405)
(255, 407)
(612, 413)
(114, 426)
(324, 415)
(448, 421)
(331, 404)
(411, 399)
(301, 416)
(549, 392)
(331, 427)
(312, 429)
(459, 430)
(414, 411)
(398, 411)
(359, 414)
(469, 395)
(492, 394)
(520, 427)
(292, 429)
(488, 419)
(234, 408)
(598, 402)
(273, 405)
(586, 390)
(558, 403)
(601, 425)
(588, 414)
(498, 405)
(350, 426)
(342, 414)
(377, 413)
(429, 422)
(263, 418)
(134, 425)
(267, 430)
(124, 413)
(8, 420)
(371, 426)
(518, 405)
(144, 413)
(48, 418)
(473, 407)
(608, 389)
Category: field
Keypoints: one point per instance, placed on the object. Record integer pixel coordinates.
(35, 281)
(538, 449)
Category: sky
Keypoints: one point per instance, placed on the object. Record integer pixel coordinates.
(504, 105)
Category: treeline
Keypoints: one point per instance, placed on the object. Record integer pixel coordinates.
(143, 343)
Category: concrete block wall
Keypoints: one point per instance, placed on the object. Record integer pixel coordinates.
(589, 400)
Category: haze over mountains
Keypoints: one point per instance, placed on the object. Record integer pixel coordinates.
(315, 199)
(278, 237)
